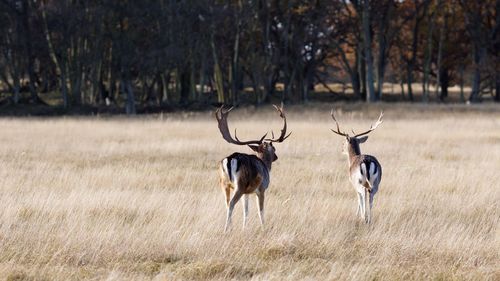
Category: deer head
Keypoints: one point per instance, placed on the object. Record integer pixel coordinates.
(352, 142)
(263, 146)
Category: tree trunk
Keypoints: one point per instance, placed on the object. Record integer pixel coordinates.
(202, 76)
(462, 70)
(96, 80)
(185, 85)
(428, 57)
(126, 88)
(384, 21)
(64, 87)
(479, 53)
(497, 86)
(76, 87)
(77, 46)
(444, 81)
(362, 74)
(381, 69)
(165, 81)
(17, 88)
(413, 59)
(288, 85)
(219, 80)
(356, 84)
(352, 71)
(440, 57)
(355, 74)
(59, 63)
(306, 83)
(235, 68)
(193, 94)
(402, 85)
(409, 79)
(26, 35)
(368, 52)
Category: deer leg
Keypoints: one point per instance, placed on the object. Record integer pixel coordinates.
(237, 195)
(245, 210)
(367, 206)
(362, 205)
(371, 196)
(260, 199)
(359, 205)
(227, 194)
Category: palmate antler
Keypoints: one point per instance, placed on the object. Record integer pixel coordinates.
(283, 135)
(372, 127)
(221, 117)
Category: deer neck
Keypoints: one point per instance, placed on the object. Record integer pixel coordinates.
(353, 152)
(267, 159)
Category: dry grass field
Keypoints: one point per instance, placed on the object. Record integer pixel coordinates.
(138, 199)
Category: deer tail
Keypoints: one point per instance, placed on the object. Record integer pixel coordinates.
(368, 186)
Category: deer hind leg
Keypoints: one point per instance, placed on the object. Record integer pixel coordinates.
(236, 197)
(226, 189)
(368, 210)
(371, 196)
(227, 194)
(225, 183)
(245, 210)
(362, 204)
(260, 201)
(358, 210)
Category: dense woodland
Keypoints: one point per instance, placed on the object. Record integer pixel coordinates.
(132, 55)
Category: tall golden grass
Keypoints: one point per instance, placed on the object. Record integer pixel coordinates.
(138, 199)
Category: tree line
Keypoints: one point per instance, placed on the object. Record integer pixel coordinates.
(179, 52)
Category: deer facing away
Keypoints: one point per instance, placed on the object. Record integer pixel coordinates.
(365, 172)
(244, 173)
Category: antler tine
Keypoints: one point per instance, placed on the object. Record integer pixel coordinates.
(222, 114)
(338, 132)
(374, 126)
(279, 109)
(283, 136)
(221, 117)
(262, 138)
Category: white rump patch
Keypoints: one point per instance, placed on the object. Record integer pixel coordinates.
(224, 166)
(373, 174)
(234, 167)
(363, 170)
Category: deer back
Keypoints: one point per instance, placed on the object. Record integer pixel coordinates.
(247, 171)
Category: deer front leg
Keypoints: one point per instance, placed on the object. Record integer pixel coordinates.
(245, 210)
(237, 195)
(260, 199)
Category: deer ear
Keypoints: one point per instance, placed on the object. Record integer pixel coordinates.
(362, 139)
(254, 147)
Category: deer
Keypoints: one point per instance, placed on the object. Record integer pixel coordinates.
(365, 172)
(247, 174)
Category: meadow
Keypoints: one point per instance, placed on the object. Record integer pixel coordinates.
(109, 198)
